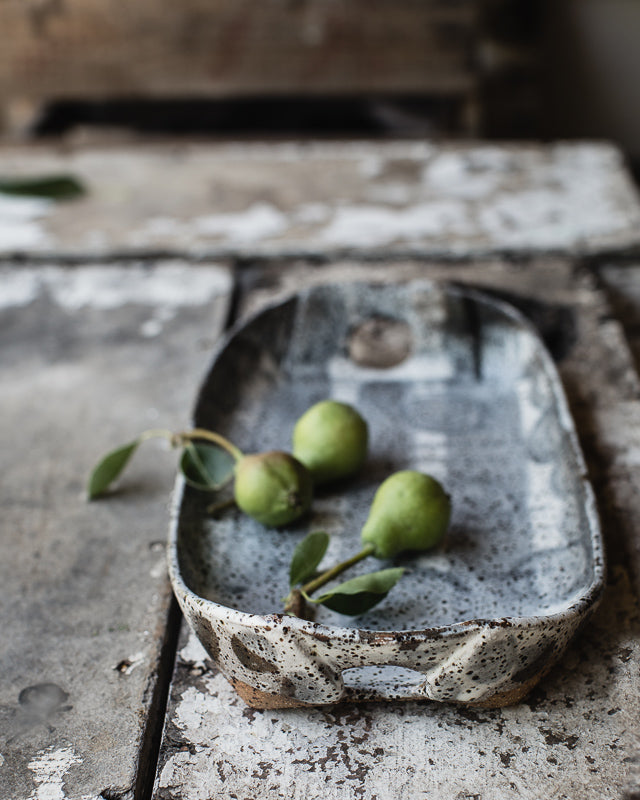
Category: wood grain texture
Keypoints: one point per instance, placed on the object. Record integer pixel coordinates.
(103, 48)
(326, 199)
(89, 358)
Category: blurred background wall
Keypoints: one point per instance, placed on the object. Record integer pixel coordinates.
(592, 85)
(501, 69)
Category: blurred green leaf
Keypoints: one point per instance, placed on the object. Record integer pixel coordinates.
(306, 557)
(53, 187)
(206, 466)
(109, 468)
(359, 594)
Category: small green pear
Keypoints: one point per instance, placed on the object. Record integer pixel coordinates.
(410, 511)
(331, 440)
(273, 487)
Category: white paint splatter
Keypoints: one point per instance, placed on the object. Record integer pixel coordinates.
(259, 221)
(452, 175)
(193, 652)
(375, 751)
(20, 222)
(49, 769)
(168, 286)
(155, 325)
(19, 287)
(371, 226)
(312, 213)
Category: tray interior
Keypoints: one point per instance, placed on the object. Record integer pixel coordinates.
(475, 402)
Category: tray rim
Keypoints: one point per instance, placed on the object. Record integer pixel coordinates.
(576, 609)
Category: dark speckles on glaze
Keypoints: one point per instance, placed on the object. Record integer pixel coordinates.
(476, 402)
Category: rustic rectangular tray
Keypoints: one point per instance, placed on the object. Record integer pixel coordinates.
(453, 383)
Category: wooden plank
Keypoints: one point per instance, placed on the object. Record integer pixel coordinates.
(90, 357)
(574, 737)
(622, 282)
(97, 48)
(363, 199)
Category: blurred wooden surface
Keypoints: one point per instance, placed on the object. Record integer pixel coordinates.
(92, 49)
(324, 199)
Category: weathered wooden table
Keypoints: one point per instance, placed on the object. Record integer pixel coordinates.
(109, 309)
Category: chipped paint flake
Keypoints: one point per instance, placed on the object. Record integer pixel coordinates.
(193, 652)
(472, 177)
(20, 222)
(460, 199)
(355, 752)
(259, 221)
(370, 225)
(166, 288)
(49, 769)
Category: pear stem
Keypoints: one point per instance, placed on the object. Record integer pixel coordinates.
(201, 433)
(333, 572)
(156, 433)
(215, 508)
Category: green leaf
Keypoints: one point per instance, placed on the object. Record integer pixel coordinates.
(109, 468)
(359, 594)
(53, 187)
(306, 557)
(206, 466)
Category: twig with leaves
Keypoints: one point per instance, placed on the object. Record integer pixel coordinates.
(410, 512)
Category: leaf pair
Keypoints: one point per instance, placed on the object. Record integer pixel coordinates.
(204, 466)
(353, 597)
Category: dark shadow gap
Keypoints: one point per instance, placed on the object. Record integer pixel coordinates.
(152, 735)
(316, 116)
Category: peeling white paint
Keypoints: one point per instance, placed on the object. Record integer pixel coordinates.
(193, 652)
(454, 176)
(49, 769)
(259, 221)
(378, 750)
(20, 224)
(313, 197)
(373, 226)
(167, 287)
(155, 325)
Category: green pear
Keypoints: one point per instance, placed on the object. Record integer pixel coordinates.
(331, 440)
(410, 511)
(273, 488)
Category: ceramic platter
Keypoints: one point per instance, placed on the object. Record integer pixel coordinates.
(452, 383)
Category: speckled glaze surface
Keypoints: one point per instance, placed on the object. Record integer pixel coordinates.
(452, 383)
